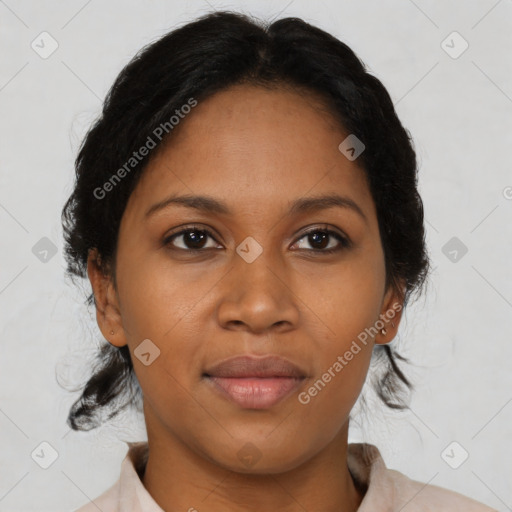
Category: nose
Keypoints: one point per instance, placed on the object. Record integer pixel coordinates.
(258, 297)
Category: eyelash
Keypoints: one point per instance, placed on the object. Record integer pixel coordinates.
(344, 242)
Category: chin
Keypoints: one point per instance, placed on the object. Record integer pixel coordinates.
(252, 460)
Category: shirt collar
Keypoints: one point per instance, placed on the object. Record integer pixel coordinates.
(364, 461)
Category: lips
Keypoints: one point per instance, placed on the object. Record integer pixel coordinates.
(255, 382)
(250, 366)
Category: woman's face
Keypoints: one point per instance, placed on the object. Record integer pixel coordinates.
(258, 285)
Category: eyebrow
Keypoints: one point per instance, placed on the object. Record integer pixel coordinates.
(208, 204)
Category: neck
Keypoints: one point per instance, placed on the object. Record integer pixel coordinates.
(181, 479)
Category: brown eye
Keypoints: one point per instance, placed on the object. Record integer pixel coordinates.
(321, 240)
(192, 239)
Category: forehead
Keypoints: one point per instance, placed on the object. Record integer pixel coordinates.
(255, 146)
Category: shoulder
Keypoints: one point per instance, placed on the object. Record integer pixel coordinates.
(128, 494)
(107, 502)
(419, 496)
(388, 490)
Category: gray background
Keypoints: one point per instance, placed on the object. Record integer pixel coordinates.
(458, 111)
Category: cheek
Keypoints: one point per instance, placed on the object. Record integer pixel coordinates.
(331, 394)
(348, 305)
(326, 402)
(156, 295)
(164, 303)
(348, 301)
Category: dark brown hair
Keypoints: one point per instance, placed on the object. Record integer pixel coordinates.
(197, 60)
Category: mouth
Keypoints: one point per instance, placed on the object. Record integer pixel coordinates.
(255, 383)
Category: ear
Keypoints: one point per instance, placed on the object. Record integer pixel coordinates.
(108, 314)
(391, 314)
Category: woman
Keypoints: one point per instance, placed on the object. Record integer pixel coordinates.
(247, 214)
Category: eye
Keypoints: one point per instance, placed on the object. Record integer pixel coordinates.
(192, 238)
(319, 239)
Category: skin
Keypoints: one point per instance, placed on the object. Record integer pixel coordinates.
(256, 150)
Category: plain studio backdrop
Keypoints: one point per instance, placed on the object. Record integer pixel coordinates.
(447, 67)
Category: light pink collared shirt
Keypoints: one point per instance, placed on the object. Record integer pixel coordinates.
(387, 490)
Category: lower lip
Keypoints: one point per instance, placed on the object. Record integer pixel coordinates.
(255, 393)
